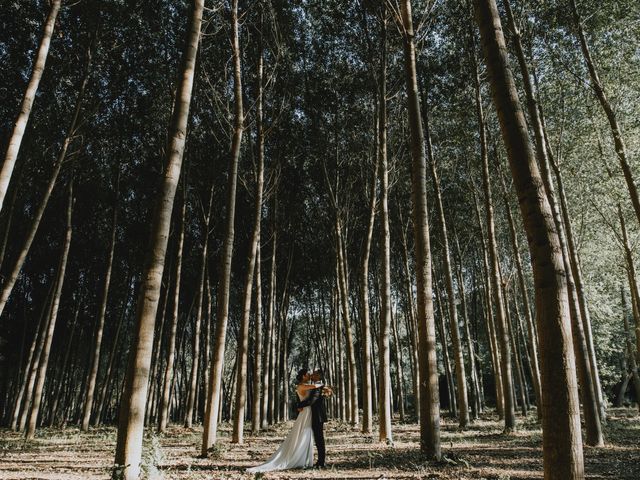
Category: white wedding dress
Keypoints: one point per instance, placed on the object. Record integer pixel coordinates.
(296, 451)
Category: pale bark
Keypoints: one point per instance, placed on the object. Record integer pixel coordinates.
(11, 279)
(365, 333)
(384, 349)
(561, 440)
(461, 374)
(209, 436)
(429, 407)
(132, 407)
(27, 102)
(165, 402)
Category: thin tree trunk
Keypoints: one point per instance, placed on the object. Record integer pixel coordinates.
(504, 350)
(27, 102)
(616, 132)
(258, 413)
(193, 382)
(243, 341)
(532, 344)
(48, 337)
(630, 349)
(131, 421)
(429, 407)
(10, 281)
(562, 443)
(384, 379)
(163, 415)
(222, 315)
(461, 375)
(107, 376)
(97, 345)
(367, 410)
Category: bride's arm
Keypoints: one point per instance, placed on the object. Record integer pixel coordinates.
(306, 388)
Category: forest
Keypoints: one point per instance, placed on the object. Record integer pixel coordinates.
(434, 202)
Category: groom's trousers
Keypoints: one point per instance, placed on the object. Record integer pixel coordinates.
(318, 436)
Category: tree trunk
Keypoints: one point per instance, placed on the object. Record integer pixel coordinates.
(97, 345)
(461, 382)
(630, 349)
(365, 334)
(48, 337)
(27, 102)
(10, 281)
(562, 443)
(429, 407)
(131, 421)
(384, 349)
(193, 382)
(504, 350)
(165, 403)
(222, 314)
(243, 340)
(616, 132)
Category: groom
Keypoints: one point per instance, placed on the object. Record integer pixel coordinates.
(318, 415)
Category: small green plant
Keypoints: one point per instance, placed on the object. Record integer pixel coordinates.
(216, 451)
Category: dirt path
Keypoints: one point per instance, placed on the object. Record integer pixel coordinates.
(480, 452)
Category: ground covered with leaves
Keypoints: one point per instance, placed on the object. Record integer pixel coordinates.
(482, 451)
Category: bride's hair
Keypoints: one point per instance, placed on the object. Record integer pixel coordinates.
(301, 373)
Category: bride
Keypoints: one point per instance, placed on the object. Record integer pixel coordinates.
(296, 451)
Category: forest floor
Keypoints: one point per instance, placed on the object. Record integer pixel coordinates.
(481, 452)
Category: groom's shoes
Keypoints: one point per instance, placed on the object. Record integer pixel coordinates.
(317, 466)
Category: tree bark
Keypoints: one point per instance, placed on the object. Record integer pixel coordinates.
(27, 102)
(243, 340)
(209, 436)
(10, 281)
(461, 382)
(193, 382)
(132, 407)
(165, 402)
(429, 406)
(384, 350)
(562, 443)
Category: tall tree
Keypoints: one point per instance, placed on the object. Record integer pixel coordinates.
(429, 396)
(562, 443)
(131, 422)
(222, 314)
(15, 141)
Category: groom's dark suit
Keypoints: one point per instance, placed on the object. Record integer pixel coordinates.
(318, 417)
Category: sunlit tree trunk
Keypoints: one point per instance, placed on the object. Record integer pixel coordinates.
(48, 336)
(429, 401)
(132, 407)
(562, 443)
(222, 314)
(165, 399)
(27, 102)
(9, 283)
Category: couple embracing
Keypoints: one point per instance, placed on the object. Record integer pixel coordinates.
(296, 451)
